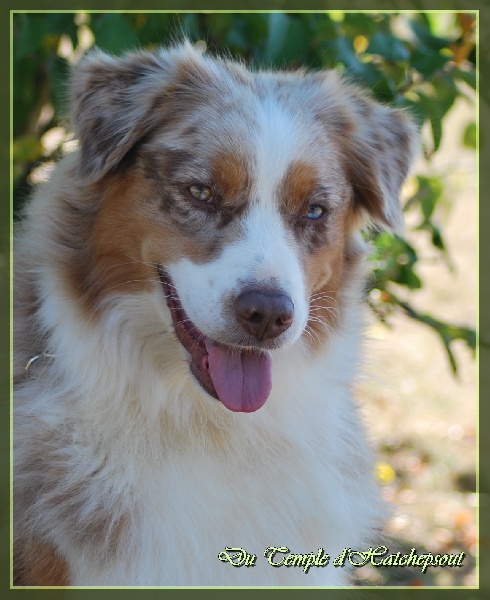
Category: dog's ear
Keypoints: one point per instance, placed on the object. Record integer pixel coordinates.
(115, 102)
(378, 146)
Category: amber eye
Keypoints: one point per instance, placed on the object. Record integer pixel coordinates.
(201, 192)
(315, 211)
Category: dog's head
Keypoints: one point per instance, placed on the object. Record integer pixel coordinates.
(236, 197)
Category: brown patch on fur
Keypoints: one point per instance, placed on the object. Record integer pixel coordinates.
(338, 120)
(239, 73)
(298, 185)
(37, 562)
(231, 176)
(329, 269)
(300, 188)
(112, 253)
(232, 181)
(132, 233)
(99, 528)
(325, 275)
(362, 173)
(94, 523)
(191, 73)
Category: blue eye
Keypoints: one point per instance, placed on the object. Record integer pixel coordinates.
(315, 211)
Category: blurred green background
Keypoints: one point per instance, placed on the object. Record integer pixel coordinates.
(425, 62)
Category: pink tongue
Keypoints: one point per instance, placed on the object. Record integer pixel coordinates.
(242, 380)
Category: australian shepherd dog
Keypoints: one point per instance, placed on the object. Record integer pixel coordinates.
(188, 310)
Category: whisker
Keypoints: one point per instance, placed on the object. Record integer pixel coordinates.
(323, 323)
(146, 279)
(133, 261)
(312, 333)
(331, 309)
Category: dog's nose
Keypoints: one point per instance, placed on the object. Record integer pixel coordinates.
(264, 314)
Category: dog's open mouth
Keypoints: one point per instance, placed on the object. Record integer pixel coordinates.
(240, 378)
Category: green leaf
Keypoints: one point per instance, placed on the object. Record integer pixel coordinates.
(358, 23)
(62, 23)
(427, 62)
(450, 355)
(29, 92)
(433, 112)
(288, 41)
(237, 40)
(26, 149)
(363, 72)
(189, 25)
(437, 103)
(445, 91)
(437, 240)
(394, 260)
(388, 46)
(469, 135)
(408, 278)
(220, 24)
(325, 28)
(32, 29)
(428, 194)
(296, 49)
(59, 70)
(255, 29)
(447, 333)
(113, 32)
(426, 38)
(343, 50)
(155, 29)
(436, 127)
(278, 26)
(246, 36)
(469, 77)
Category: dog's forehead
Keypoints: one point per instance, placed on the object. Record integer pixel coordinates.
(285, 138)
(261, 128)
(272, 114)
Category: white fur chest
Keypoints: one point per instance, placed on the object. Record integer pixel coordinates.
(295, 474)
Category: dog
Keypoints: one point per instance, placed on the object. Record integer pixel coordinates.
(188, 317)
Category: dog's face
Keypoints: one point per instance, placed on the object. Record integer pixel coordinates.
(241, 193)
